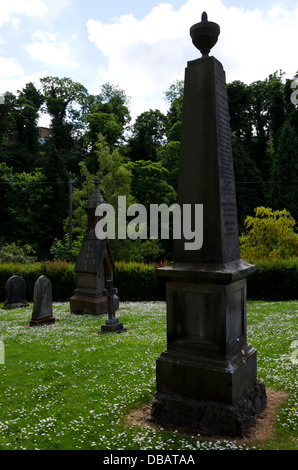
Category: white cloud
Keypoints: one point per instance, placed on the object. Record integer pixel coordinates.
(47, 48)
(145, 56)
(24, 7)
(49, 8)
(9, 68)
(13, 77)
(16, 22)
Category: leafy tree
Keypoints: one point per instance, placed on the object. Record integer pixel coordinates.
(25, 210)
(149, 186)
(114, 175)
(291, 108)
(7, 118)
(57, 179)
(248, 181)
(174, 99)
(276, 106)
(106, 114)
(114, 180)
(169, 157)
(29, 102)
(6, 179)
(270, 234)
(18, 128)
(148, 133)
(285, 171)
(239, 98)
(149, 183)
(64, 101)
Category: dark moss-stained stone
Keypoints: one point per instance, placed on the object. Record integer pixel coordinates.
(94, 267)
(42, 303)
(15, 293)
(206, 379)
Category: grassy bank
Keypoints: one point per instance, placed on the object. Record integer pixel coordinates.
(66, 387)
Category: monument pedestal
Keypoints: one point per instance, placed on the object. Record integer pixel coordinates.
(206, 378)
(89, 301)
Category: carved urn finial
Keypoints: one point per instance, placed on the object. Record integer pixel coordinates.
(204, 35)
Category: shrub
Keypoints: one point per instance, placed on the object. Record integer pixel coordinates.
(60, 249)
(269, 235)
(13, 253)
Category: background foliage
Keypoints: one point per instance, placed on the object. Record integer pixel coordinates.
(93, 136)
(273, 280)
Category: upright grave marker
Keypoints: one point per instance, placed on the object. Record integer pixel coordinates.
(42, 303)
(112, 324)
(94, 266)
(15, 293)
(206, 378)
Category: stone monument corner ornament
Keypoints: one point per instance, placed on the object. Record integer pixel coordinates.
(204, 35)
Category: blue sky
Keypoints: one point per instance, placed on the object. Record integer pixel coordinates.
(142, 46)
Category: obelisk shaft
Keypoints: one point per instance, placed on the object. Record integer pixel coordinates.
(206, 174)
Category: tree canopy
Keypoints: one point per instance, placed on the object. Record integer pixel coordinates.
(91, 135)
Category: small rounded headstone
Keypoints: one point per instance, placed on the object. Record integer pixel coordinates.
(15, 293)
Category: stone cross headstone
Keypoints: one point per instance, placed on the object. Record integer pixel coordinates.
(206, 378)
(94, 266)
(42, 303)
(112, 324)
(15, 293)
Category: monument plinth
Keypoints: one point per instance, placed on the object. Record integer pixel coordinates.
(94, 267)
(207, 377)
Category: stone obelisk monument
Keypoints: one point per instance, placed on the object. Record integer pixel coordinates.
(207, 377)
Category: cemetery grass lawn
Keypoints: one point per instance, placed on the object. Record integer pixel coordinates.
(66, 387)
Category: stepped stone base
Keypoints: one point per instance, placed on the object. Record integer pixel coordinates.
(90, 305)
(112, 325)
(42, 321)
(210, 417)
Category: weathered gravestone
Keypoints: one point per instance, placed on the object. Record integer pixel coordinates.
(94, 267)
(206, 378)
(112, 324)
(42, 303)
(15, 293)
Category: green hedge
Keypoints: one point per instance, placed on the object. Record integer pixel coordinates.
(138, 281)
(273, 280)
(60, 273)
(135, 281)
